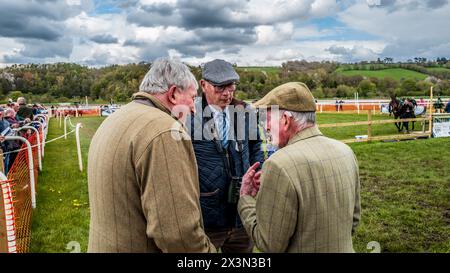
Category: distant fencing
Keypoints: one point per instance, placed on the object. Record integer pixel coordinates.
(348, 106)
(77, 111)
(360, 106)
(370, 122)
(431, 117)
(19, 188)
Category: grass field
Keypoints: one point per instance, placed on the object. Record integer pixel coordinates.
(404, 191)
(439, 69)
(394, 73)
(267, 69)
(342, 133)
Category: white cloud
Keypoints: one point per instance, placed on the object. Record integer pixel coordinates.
(407, 31)
(254, 32)
(274, 34)
(322, 8)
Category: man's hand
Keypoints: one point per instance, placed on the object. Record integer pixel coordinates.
(251, 181)
(2, 138)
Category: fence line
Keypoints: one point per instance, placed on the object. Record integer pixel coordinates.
(18, 189)
(371, 122)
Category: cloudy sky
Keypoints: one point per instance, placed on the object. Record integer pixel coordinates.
(246, 32)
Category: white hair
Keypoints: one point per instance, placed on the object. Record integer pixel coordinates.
(302, 119)
(164, 73)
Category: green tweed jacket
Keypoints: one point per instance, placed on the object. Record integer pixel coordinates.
(143, 184)
(309, 197)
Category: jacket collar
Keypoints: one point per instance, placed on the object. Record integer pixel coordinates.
(155, 101)
(305, 134)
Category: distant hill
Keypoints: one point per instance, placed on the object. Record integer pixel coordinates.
(394, 73)
(267, 69)
(438, 69)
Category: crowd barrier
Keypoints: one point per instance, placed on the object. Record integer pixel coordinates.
(18, 189)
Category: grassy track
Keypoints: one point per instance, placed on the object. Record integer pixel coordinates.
(62, 213)
(395, 73)
(404, 189)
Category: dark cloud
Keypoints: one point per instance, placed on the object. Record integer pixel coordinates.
(38, 19)
(394, 5)
(150, 53)
(127, 3)
(419, 47)
(215, 13)
(41, 49)
(215, 39)
(434, 4)
(162, 9)
(144, 18)
(191, 14)
(21, 27)
(356, 53)
(134, 43)
(104, 39)
(51, 10)
(226, 36)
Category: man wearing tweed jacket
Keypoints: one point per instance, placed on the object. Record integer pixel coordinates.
(309, 198)
(142, 171)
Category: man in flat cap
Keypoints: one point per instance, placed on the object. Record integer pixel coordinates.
(222, 155)
(308, 199)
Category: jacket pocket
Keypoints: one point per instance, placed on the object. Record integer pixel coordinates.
(211, 209)
(208, 194)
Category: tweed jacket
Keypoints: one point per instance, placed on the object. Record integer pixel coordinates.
(309, 197)
(143, 184)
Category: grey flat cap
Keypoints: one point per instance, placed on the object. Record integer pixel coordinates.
(219, 72)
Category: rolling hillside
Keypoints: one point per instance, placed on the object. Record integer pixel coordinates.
(395, 73)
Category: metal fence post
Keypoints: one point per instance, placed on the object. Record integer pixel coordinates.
(30, 167)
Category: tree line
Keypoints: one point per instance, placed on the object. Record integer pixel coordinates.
(69, 82)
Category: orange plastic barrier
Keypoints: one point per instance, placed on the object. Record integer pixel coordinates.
(15, 206)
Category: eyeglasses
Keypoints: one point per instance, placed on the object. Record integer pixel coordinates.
(222, 88)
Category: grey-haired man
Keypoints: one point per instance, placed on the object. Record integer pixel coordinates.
(143, 182)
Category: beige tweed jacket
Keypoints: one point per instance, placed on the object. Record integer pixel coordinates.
(309, 199)
(143, 184)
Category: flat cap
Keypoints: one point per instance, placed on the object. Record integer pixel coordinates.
(291, 96)
(219, 72)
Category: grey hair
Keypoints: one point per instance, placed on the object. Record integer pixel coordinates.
(164, 73)
(303, 118)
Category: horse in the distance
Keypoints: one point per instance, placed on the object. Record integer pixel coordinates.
(395, 109)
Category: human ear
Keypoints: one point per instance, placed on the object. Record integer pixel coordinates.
(172, 94)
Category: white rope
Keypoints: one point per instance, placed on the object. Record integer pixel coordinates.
(70, 123)
(9, 152)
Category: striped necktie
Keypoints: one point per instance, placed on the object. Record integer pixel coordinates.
(223, 130)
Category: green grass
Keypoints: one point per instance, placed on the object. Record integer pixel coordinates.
(267, 69)
(62, 213)
(438, 69)
(342, 133)
(404, 191)
(394, 73)
(405, 195)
